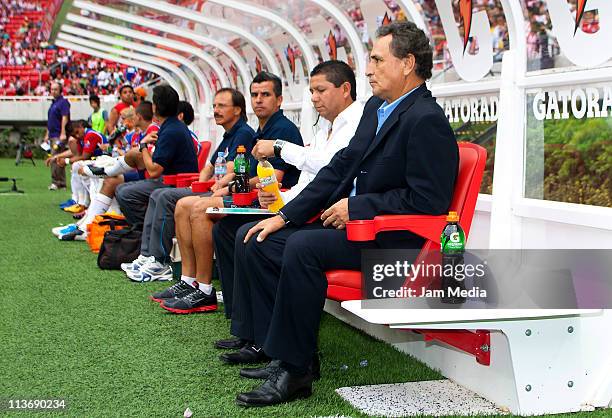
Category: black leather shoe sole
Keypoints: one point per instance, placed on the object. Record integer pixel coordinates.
(300, 394)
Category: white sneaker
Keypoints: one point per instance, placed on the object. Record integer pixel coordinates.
(150, 272)
(136, 264)
(63, 230)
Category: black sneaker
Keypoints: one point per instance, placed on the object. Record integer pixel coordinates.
(177, 290)
(195, 301)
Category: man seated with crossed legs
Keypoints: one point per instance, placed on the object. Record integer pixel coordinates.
(403, 159)
(194, 226)
(153, 262)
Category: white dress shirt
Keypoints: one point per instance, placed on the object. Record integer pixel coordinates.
(318, 154)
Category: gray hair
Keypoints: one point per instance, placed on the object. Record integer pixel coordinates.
(408, 39)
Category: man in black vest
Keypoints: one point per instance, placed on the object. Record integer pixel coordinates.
(403, 159)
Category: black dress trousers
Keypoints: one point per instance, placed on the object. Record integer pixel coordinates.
(280, 287)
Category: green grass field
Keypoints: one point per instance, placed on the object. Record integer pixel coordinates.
(92, 337)
(70, 330)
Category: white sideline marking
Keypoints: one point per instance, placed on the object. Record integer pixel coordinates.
(432, 397)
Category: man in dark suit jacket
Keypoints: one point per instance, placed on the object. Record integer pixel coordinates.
(403, 159)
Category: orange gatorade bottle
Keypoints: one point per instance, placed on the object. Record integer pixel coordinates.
(267, 178)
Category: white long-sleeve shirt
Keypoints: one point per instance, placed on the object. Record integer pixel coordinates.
(318, 154)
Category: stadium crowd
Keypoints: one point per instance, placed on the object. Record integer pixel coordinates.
(365, 160)
(81, 74)
(28, 64)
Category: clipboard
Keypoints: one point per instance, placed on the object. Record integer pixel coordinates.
(239, 211)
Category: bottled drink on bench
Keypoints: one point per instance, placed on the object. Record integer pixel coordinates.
(452, 247)
(241, 170)
(267, 178)
(452, 240)
(220, 167)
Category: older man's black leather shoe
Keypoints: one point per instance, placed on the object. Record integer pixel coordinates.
(246, 355)
(260, 372)
(281, 386)
(231, 344)
(264, 372)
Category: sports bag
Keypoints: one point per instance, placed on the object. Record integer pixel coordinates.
(101, 224)
(119, 246)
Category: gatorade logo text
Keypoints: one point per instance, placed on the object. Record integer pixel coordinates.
(578, 102)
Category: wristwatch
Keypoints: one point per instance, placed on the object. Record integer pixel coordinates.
(278, 147)
(284, 217)
(142, 146)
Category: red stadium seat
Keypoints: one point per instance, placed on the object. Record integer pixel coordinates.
(346, 284)
(203, 155)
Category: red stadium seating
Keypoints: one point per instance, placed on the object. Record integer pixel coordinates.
(26, 79)
(346, 284)
(203, 155)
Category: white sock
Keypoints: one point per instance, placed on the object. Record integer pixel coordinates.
(83, 198)
(120, 167)
(81, 223)
(188, 280)
(74, 190)
(99, 205)
(114, 207)
(206, 288)
(75, 182)
(84, 192)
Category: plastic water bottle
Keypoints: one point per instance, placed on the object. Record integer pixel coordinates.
(220, 167)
